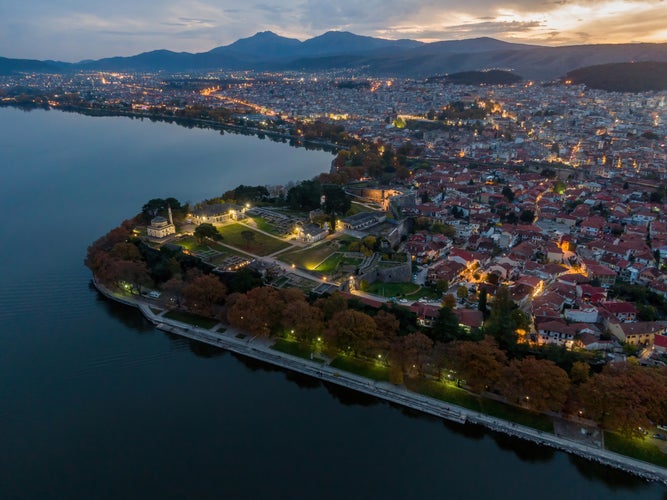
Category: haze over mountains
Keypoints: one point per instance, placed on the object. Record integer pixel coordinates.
(375, 56)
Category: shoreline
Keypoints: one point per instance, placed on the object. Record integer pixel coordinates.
(259, 349)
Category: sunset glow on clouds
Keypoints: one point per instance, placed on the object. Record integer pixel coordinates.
(79, 29)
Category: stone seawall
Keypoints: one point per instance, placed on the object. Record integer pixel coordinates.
(260, 349)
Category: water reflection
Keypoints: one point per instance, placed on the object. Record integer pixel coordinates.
(128, 316)
(615, 478)
(526, 451)
(348, 397)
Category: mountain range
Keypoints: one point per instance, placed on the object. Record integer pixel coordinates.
(267, 51)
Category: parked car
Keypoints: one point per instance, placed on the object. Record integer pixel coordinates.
(661, 437)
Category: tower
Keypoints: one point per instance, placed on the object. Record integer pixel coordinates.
(171, 219)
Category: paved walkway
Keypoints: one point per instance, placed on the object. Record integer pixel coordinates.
(260, 348)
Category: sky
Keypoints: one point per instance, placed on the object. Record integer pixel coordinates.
(73, 30)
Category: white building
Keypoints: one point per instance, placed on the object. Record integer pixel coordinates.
(160, 227)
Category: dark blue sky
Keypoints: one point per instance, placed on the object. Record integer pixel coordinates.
(72, 30)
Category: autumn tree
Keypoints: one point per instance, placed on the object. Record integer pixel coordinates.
(259, 311)
(449, 301)
(172, 292)
(204, 293)
(536, 383)
(331, 305)
(623, 398)
(480, 364)
(126, 251)
(350, 330)
(462, 292)
(305, 320)
(386, 332)
(580, 372)
(415, 351)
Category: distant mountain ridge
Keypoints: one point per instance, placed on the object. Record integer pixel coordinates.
(267, 51)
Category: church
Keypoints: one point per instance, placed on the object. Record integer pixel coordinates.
(160, 227)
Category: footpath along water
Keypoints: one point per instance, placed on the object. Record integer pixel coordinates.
(260, 349)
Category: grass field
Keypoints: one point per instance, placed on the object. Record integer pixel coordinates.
(191, 319)
(641, 449)
(295, 349)
(258, 243)
(309, 258)
(392, 289)
(373, 371)
(330, 264)
(266, 226)
(460, 397)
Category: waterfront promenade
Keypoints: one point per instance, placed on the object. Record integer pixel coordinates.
(260, 349)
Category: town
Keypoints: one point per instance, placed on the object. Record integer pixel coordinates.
(527, 217)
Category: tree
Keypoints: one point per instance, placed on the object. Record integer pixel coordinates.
(446, 326)
(527, 216)
(449, 301)
(480, 364)
(508, 193)
(387, 329)
(462, 292)
(133, 273)
(336, 202)
(259, 311)
(206, 230)
(579, 372)
(442, 285)
(415, 350)
(481, 303)
(623, 398)
(504, 320)
(350, 330)
(306, 196)
(248, 236)
(203, 293)
(125, 251)
(536, 383)
(331, 305)
(305, 320)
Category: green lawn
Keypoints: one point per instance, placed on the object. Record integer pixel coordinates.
(444, 392)
(518, 415)
(330, 264)
(191, 319)
(264, 225)
(373, 370)
(451, 394)
(392, 289)
(309, 258)
(641, 449)
(258, 243)
(293, 348)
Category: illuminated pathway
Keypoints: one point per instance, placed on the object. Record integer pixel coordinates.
(260, 349)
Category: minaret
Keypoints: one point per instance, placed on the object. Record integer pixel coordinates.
(171, 219)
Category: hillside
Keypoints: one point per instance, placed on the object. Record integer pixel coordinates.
(623, 77)
(374, 56)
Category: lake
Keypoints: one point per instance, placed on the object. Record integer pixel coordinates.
(96, 403)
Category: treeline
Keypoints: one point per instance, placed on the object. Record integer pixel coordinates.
(622, 398)
(491, 77)
(622, 77)
(337, 325)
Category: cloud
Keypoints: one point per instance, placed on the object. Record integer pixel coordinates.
(78, 29)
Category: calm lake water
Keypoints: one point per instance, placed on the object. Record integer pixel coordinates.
(95, 403)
